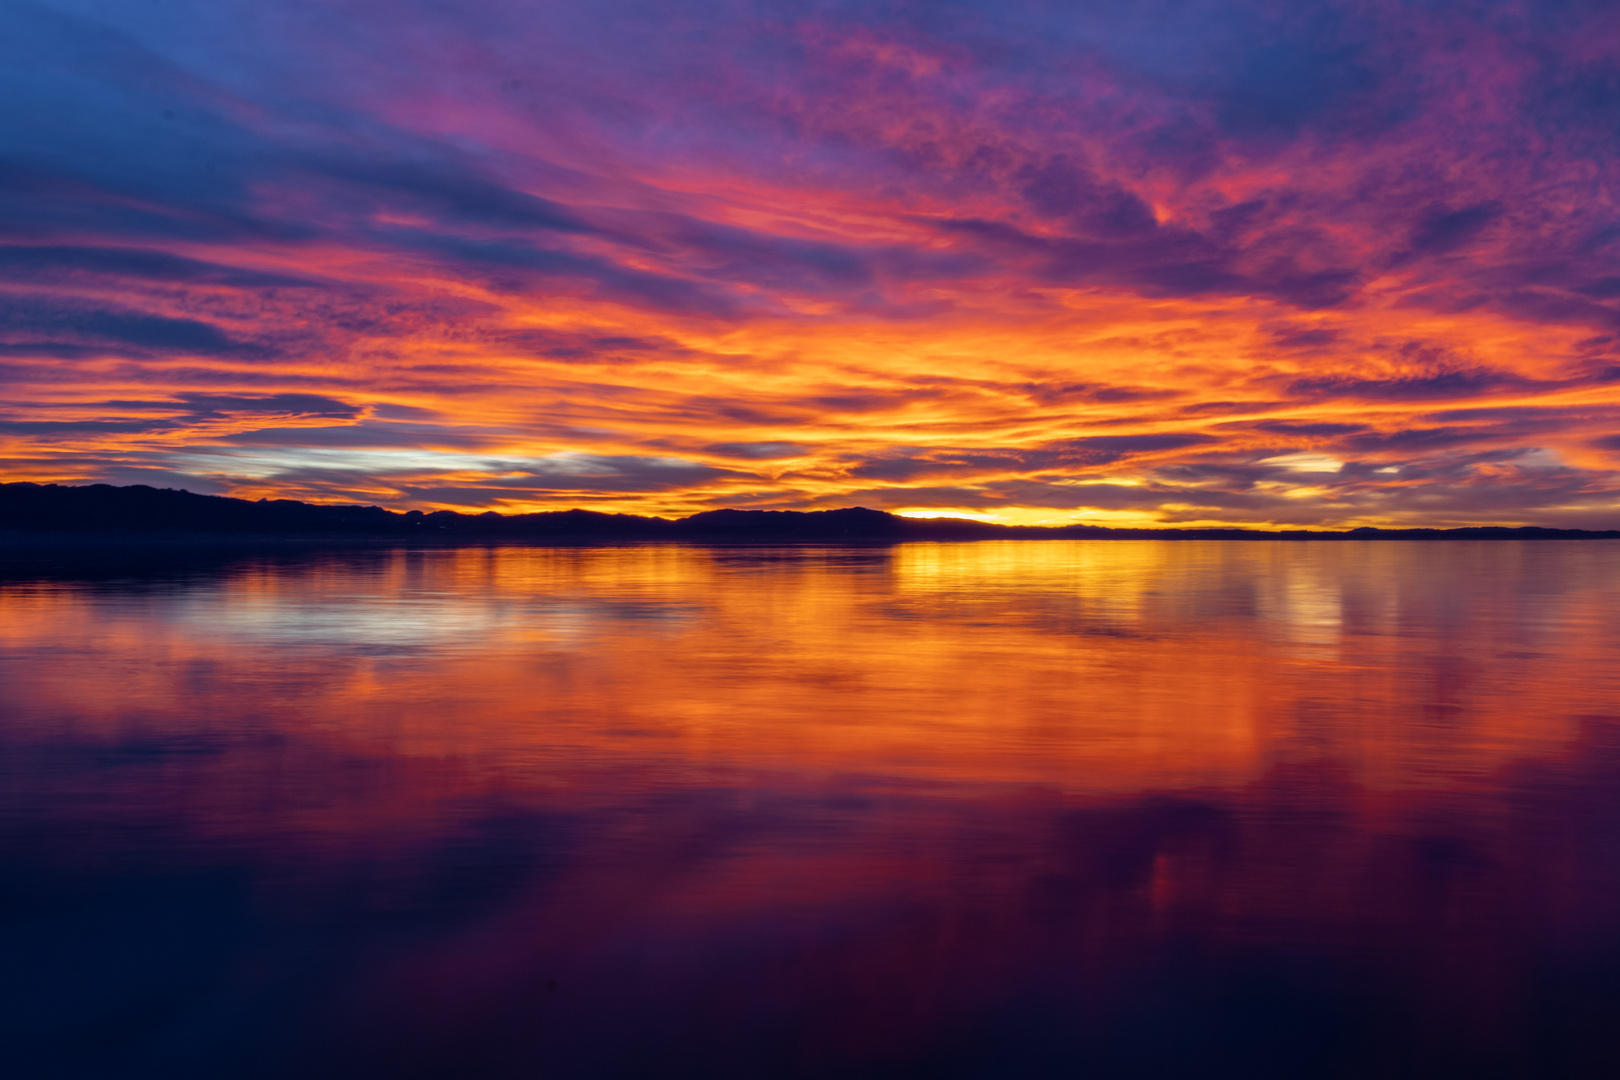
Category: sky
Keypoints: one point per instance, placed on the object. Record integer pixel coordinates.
(1122, 262)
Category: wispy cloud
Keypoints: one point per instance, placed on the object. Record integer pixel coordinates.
(1120, 261)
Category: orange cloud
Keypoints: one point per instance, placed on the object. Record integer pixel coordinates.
(807, 264)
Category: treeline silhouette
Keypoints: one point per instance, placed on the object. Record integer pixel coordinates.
(102, 510)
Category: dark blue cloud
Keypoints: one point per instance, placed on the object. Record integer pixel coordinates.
(30, 262)
(1415, 439)
(311, 405)
(198, 405)
(41, 348)
(1275, 88)
(1162, 261)
(137, 126)
(454, 195)
(103, 133)
(1604, 288)
(1537, 414)
(521, 267)
(1060, 188)
(48, 428)
(1441, 231)
(191, 409)
(1419, 372)
(47, 320)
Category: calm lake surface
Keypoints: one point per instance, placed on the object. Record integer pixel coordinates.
(998, 810)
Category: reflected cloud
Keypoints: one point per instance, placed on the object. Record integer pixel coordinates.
(1016, 808)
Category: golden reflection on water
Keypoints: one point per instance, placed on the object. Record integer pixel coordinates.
(937, 812)
(1112, 666)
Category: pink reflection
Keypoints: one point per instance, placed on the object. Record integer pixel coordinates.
(944, 811)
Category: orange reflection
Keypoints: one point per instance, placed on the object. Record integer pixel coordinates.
(848, 809)
(1114, 666)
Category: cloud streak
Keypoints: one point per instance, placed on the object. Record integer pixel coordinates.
(1131, 262)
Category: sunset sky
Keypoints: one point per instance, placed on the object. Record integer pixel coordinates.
(1270, 263)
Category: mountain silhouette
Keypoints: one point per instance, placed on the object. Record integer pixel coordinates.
(101, 511)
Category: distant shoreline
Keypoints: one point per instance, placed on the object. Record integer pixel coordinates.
(32, 515)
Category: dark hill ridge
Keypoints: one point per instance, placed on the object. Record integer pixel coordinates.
(102, 511)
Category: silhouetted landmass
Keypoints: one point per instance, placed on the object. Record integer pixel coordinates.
(97, 511)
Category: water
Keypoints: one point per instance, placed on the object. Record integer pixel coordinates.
(996, 810)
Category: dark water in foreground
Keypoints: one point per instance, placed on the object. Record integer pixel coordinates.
(1004, 810)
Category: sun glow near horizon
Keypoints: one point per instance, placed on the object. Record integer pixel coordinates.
(864, 268)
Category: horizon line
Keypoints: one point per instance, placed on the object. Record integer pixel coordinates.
(918, 520)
